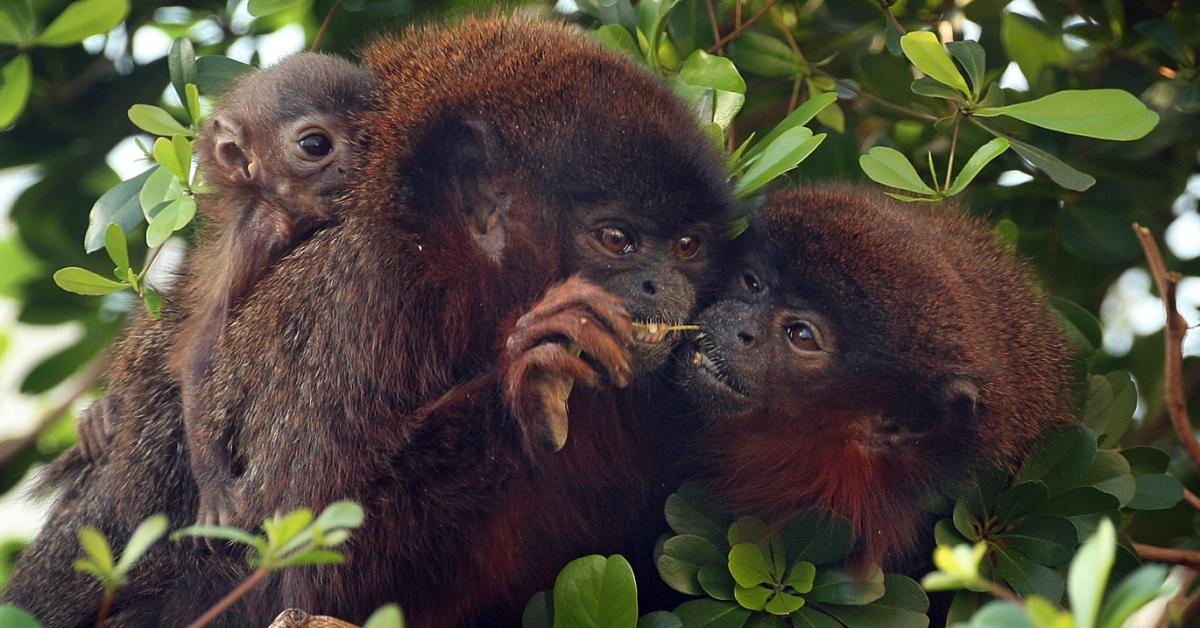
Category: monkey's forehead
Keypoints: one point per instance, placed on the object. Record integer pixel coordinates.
(563, 107)
(302, 84)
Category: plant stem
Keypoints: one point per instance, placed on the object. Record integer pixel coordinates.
(877, 100)
(712, 19)
(150, 257)
(1175, 329)
(886, 7)
(1005, 594)
(953, 147)
(1168, 555)
(233, 596)
(105, 604)
(742, 28)
(325, 25)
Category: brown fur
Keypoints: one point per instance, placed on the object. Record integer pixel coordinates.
(930, 327)
(374, 361)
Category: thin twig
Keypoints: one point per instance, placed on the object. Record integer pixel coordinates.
(325, 25)
(953, 148)
(1174, 331)
(1186, 558)
(230, 598)
(83, 382)
(1191, 498)
(877, 100)
(105, 605)
(887, 11)
(741, 29)
(712, 19)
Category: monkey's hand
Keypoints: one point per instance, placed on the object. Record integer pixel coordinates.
(578, 332)
(95, 428)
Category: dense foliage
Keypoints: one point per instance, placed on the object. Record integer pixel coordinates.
(1094, 126)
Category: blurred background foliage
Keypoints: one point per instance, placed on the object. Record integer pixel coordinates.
(66, 90)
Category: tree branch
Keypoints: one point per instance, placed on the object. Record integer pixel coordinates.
(1174, 331)
(1186, 558)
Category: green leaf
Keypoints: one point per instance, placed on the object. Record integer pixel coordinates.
(800, 576)
(785, 153)
(970, 56)
(17, 24)
(783, 603)
(1081, 326)
(539, 612)
(386, 616)
(215, 74)
(156, 120)
(120, 205)
(819, 537)
(1018, 501)
(1137, 590)
(1055, 168)
(888, 166)
(181, 66)
(281, 529)
(748, 530)
(13, 617)
(175, 155)
(172, 216)
(802, 114)
(1111, 474)
(259, 8)
(999, 614)
(1060, 457)
(1050, 538)
(114, 243)
(716, 582)
(1032, 45)
(312, 557)
(903, 605)
(153, 301)
(659, 619)
(616, 38)
(834, 586)
(193, 102)
(596, 592)
(223, 533)
(930, 88)
(341, 514)
(1027, 576)
(1120, 411)
(85, 282)
(82, 19)
(1107, 114)
(1164, 35)
(925, 51)
(764, 55)
(705, 70)
(748, 566)
(162, 186)
(1156, 492)
(1089, 574)
(712, 614)
(147, 533)
(96, 547)
(15, 82)
(689, 511)
(976, 163)
(1146, 459)
(753, 598)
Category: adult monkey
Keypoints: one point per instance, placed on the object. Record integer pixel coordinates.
(868, 355)
(403, 358)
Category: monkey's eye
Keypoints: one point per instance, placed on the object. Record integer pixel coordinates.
(686, 247)
(615, 240)
(802, 336)
(751, 282)
(316, 145)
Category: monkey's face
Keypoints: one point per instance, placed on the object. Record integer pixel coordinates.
(780, 353)
(315, 151)
(656, 268)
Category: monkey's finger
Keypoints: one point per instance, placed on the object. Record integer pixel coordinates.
(593, 339)
(550, 358)
(579, 293)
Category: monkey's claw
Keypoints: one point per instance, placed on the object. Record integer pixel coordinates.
(94, 426)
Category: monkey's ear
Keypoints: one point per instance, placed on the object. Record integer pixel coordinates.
(231, 149)
(468, 165)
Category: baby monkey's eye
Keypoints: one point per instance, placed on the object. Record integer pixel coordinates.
(686, 247)
(615, 240)
(316, 145)
(802, 336)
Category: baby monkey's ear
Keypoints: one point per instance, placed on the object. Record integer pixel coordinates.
(231, 149)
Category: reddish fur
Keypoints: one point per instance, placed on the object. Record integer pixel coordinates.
(920, 295)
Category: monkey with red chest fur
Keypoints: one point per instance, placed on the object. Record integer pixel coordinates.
(523, 199)
(275, 154)
(867, 356)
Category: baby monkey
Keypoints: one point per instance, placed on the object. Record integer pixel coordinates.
(274, 156)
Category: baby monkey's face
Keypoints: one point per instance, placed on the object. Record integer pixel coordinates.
(316, 152)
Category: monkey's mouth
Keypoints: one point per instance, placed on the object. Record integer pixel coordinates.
(652, 333)
(708, 360)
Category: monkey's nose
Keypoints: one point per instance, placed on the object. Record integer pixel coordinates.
(746, 337)
(649, 287)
